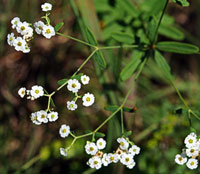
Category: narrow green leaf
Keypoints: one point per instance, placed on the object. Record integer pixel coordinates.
(123, 37)
(183, 3)
(152, 28)
(62, 81)
(58, 26)
(98, 55)
(128, 6)
(163, 65)
(171, 32)
(78, 76)
(131, 67)
(99, 135)
(128, 133)
(177, 47)
(52, 102)
(113, 108)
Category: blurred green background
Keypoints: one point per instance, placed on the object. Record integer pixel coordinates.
(30, 149)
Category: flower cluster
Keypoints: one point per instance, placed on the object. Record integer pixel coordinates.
(25, 29)
(122, 154)
(42, 116)
(35, 92)
(74, 86)
(192, 151)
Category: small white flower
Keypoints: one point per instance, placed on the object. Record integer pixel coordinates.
(34, 118)
(101, 143)
(73, 85)
(105, 160)
(39, 26)
(131, 165)
(134, 150)
(46, 7)
(52, 116)
(126, 159)
(63, 151)
(180, 159)
(193, 134)
(190, 141)
(42, 116)
(22, 92)
(22, 28)
(95, 162)
(26, 49)
(88, 99)
(19, 44)
(193, 151)
(71, 105)
(10, 39)
(112, 158)
(64, 131)
(91, 148)
(192, 163)
(85, 79)
(29, 34)
(37, 91)
(15, 22)
(48, 31)
(123, 143)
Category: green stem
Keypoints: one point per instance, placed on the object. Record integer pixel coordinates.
(75, 39)
(122, 121)
(118, 46)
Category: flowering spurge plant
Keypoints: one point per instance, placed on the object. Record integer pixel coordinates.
(26, 31)
(123, 154)
(190, 153)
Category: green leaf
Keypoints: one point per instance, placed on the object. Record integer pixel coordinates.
(128, 133)
(128, 6)
(98, 56)
(152, 27)
(171, 32)
(131, 67)
(183, 3)
(58, 26)
(99, 135)
(163, 65)
(62, 81)
(78, 76)
(177, 47)
(52, 102)
(123, 37)
(113, 108)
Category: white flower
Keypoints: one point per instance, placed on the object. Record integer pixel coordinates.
(46, 7)
(29, 34)
(134, 150)
(85, 79)
(105, 160)
(180, 159)
(42, 116)
(101, 143)
(22, 28)
(95, 162)
(19, 44)
(88, 99)
(39, 27)
(193, 134)
(73, 85)
(123, 143)
(63, 151)
(26, 49)
(22, 92)
(64, 131)
(15, 22)
(193, 151)
(192, 163)
(126, 159)
(37, 91)
(34, 118)
(112, 158)
(91, 148)
(71, 105)
(52, 116)
(10, 39)
(190, 141)
(131, 165)
(48, 31)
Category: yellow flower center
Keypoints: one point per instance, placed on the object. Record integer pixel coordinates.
(19, 44)
(127, 159)
(43, 116)
(91, 148)
(190, 141)
(192, 163)
(111, 158)
(73, 85)
(37, 91)
(22, 28)
(48, 31)
(88, 99)
(11, 39)
(180, 158)
(40, 27)
(52, 116)
(64, 130)
(95, 162)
